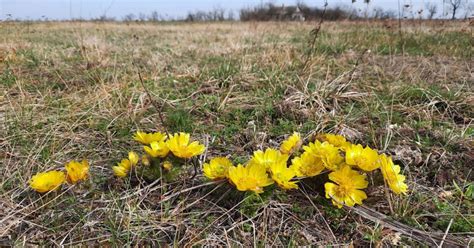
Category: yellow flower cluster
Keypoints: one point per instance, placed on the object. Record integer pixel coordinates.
(263, 169)
(346, 162)
(122, 168)
(157, 147)
(348, 166)
(43, 182)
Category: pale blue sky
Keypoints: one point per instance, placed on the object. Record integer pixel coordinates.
(65, 9)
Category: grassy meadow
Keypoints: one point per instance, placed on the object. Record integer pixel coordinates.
(71, 90)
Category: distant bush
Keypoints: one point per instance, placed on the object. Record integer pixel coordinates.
(272, 12)
(217, 14)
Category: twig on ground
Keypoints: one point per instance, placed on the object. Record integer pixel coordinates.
(446, 233)
(315, 34)
(319, 212)
(166, 198)
(418, 235)
(155, 104)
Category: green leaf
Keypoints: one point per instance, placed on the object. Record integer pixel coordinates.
(470, 191)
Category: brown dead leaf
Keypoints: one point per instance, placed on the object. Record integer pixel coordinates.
(409, 155)
(348, 132)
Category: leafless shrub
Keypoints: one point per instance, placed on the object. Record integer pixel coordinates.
(217, 14)
(432, 9)
(454, 5)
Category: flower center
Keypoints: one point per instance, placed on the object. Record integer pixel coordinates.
(342, 190)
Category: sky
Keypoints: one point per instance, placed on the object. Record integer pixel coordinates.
(67, 9)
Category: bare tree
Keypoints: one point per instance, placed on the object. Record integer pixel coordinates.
(142, 17)
(377, 13)
(380, 13)
(154, 16)
(367, 9)
(230, 15)
(455, 5)
(129, 17)
(217, 14)
(300, 3)
(432, 9)
(104, 18)
(469, 8)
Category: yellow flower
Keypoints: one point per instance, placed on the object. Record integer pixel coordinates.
(337, 140)
(365, 158)
(120, 171)
(147, 138)
(46, 181)
(125, 163)
(347, 189)
(391, 174)
(181, 148)
(122, 168)
(217, 168)
(328, 153)
(145, 160)
(292, 144)
(76, 171)
(167, 165)
(157, 149)
(133, 157)
(268, 157)
(307, 165)
(282, 175)
(251, 177)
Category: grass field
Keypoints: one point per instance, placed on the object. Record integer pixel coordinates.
(72, 91)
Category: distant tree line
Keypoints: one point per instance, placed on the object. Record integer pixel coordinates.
(217, 14)
(298, 12)
(270, 12)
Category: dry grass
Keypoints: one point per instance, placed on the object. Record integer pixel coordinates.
(71, 91)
